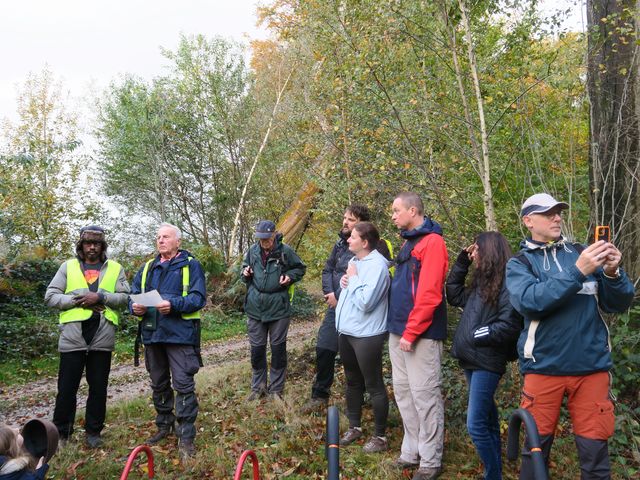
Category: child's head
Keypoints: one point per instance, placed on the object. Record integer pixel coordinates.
(10, 442)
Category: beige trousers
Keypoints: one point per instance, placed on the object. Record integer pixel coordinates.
(416, 384)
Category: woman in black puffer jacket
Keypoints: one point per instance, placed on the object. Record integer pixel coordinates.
(485, 338)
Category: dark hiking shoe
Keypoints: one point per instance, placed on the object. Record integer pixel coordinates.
(375, 445)
(350, 436)
(402, 463)
(256, 395)
(426, 473)
(94, 440)
(186, 449)
(160, 435)
(314, 404)
(276, 397)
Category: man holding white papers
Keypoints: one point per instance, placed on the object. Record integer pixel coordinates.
(171, 335)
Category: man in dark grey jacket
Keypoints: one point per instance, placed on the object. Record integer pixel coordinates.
(89, 291)
(334, 269)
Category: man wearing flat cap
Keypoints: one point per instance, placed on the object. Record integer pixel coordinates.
(270, 267)
(89, 291)
(560, 288)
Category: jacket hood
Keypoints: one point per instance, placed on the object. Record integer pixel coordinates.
(428, 226)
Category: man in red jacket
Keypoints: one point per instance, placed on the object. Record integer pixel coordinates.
(417, 323)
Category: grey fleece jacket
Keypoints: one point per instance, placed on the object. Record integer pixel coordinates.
(71, 338)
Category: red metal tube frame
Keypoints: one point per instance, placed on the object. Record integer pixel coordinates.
(242, 460)
(132, 456)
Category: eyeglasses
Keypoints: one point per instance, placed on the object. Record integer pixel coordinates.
(549, 215)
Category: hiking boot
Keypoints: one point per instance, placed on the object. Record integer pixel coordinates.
(402, 463)
(427, 473)
(350, 436)
(315, 403)
(186, 449)
(94, 440)
(375, 444)
(255, 395)
(161, 434)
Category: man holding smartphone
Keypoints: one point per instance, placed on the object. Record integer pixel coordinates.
(560, 288)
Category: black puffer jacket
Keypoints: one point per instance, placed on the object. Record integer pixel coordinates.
(485, 334)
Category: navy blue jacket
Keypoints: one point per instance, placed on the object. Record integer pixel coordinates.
(39, 474)
(564, 333)
(417, 306)
(166, 277)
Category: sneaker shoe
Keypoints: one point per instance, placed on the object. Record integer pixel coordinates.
(94, 440)
(315, 403)
(427, 473)
(350, 436)
(161, 434)
(402, 463)
(186, 449)
(375, 444)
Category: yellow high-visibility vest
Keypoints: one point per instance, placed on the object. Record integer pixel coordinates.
(185, 286)
(76, 281)
(392, 270)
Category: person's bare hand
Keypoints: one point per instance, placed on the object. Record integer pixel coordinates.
(285, 280)
(164, 307)
(612, 261)
(87, 300)
(352, 270)
(593, 257)
(40, 463)
(472, 251)
(247, 271)
(406, 345)
(138, 309)
(344, 281)
(331, 299)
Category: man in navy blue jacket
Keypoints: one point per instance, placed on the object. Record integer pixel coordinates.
(560, 288)
(171, 335)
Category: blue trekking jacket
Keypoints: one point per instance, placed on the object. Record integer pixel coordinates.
(564, 333)
(417, 307)
(166, 277)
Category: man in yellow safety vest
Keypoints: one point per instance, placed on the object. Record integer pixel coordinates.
(89, 291)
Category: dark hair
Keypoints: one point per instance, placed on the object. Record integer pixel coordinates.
(368, 232)
(412, 199)
(493, 254)
(361, 212)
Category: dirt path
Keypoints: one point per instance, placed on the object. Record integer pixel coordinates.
(19, 404)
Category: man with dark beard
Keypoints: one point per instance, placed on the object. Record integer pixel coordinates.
(334, 269)
(89, 291)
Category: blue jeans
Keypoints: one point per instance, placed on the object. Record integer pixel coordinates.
(482, 420)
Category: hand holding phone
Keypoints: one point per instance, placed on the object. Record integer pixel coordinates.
(603, 232)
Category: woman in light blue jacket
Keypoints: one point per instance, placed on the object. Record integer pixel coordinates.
(361, 321)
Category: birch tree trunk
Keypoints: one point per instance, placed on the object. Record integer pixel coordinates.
(265, 139)
(484, 165)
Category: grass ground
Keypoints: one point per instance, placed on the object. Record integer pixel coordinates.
(288, 444)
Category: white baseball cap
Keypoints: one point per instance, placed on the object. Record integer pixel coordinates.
(540, 203)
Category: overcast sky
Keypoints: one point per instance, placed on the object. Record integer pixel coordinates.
(86, 42)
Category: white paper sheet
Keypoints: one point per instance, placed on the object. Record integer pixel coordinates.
(148, 299)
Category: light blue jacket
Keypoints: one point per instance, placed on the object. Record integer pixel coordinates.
(363, 305)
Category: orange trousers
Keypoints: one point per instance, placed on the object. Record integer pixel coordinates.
(589, 403)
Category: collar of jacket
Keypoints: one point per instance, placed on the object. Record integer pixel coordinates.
(428, 226)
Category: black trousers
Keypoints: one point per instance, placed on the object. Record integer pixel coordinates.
(362, 360)
(72, 366)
